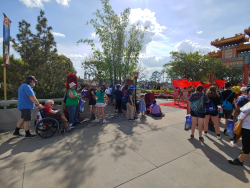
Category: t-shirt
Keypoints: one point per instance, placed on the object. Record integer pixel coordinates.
(225, 94)
(155, 108)
(124, 92)
(92, 96)
(242, 100)
(196, 96)
(109, 92)
(118, 94)
(130, 92)
(147, 87)
(24, 101)
(69, 100)
(47, 109)
(100, 97)
(216, 101)
(244, 111)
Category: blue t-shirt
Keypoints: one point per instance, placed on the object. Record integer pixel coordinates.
(242, 100)
(24, 101)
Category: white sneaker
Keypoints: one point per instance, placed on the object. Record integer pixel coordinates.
(205, 134)
(97, 120)
(219, 137)
(68, 129)
(233, 144)
(71, 127)
(105, 121)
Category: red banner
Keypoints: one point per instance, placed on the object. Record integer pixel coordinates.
(220, 83)
(175, 83)
(196, 83)
(206, 86)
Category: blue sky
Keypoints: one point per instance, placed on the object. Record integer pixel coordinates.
(187, 25)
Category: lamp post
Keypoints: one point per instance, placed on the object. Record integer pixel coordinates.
(136, 75)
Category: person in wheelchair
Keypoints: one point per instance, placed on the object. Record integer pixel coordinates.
(56, 114)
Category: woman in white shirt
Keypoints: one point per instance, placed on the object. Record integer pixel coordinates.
(109, 93)
(245, 134)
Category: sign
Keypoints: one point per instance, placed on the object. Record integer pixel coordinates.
(232, 64)
(6, 41)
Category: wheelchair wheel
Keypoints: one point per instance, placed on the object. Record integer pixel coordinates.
(47, 127)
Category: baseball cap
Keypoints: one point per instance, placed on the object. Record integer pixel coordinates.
(72, 84)
(93, 84)
(31, 78)
(132, 87)
(244, 89)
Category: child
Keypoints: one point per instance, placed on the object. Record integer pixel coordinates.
(100, 104)
(143, 106)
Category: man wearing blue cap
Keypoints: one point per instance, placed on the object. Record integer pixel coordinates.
(131, 103)
(25, 103)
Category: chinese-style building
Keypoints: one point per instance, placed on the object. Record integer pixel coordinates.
(234, 53)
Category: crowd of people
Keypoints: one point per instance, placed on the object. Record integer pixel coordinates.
(217, 103)
(214, 103)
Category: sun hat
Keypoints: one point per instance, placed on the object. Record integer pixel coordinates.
(93, 84)
(72, 84)
(244, 89)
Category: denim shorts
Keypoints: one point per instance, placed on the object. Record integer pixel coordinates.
(197, 114)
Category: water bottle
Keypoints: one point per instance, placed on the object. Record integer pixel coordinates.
(188, 122)
(221, 110)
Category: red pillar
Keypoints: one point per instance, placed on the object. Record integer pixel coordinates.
(245, 74)
(211, 77)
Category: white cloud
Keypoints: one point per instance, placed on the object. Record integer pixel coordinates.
(148, 18)
(199, 32)
(153, 61)
(189, 46)
(58, 34)
(63, 2)
(93, 35)
(39, 3)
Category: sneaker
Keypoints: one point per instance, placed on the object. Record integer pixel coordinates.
(135, 117)
(97, 120)
(68, 129)
(201, 138)
(235, 162)
(31, 136)
(205, 134)
(18, 134)
(233, 144)
(219, 137)
(191, 136)
(225, 132)
(105, 121)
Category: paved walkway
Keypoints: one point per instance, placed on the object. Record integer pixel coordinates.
(147, 153)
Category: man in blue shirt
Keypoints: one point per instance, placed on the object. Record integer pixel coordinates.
(25, 103)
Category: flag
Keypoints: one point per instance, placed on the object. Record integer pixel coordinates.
(6, 41)
(206, 86)
(184, 83)
(196, 83)
(175, 83)
(220, 83)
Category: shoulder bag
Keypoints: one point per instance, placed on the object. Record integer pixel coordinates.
(238, 125)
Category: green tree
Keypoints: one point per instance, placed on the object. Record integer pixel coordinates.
(193, 66)
(234, 75)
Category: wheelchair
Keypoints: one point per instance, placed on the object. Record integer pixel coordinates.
(47, 127)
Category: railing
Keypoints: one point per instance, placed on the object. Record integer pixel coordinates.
(8, 102)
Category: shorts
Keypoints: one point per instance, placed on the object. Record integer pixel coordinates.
(124, 107)
(92, 101)
(227, 114)
(197, 114)
(216, 113)
(245, 140)
(100, 105)
(108, 95)
(26, 114)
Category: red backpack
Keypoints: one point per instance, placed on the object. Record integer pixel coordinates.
(88, 95)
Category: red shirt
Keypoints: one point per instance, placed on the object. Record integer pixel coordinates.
(47, 109)
(124, 92)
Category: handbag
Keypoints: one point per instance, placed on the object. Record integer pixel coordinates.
(238, 126)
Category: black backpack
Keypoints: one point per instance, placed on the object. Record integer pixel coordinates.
(65, 97)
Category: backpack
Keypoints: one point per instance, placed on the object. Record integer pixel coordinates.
(125, 97)
(197, 104)
(65, 98)
(211, 107)
(226, 105)
(88, 95)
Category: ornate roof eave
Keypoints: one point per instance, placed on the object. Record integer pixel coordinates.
(247, 31)
(238, 38)
(214, 54)
(244, 47)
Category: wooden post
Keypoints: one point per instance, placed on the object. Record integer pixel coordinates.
(245, 74)
(4, 83)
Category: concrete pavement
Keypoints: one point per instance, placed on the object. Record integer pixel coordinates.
(150, 152)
